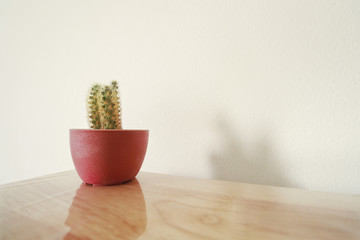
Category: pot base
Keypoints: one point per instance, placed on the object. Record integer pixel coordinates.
(100, 185)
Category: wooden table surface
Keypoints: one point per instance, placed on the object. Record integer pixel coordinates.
(156, 206)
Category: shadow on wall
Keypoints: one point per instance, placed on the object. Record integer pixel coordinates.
(241, 162)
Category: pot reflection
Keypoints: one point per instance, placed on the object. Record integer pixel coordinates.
(107, 212)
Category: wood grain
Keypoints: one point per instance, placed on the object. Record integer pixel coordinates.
(156, 206)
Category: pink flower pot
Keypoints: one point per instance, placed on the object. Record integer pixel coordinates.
(108, 156)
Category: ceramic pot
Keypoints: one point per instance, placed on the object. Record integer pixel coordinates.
(108, 156)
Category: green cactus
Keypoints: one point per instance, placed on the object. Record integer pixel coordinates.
(104, 109)
(116, 101)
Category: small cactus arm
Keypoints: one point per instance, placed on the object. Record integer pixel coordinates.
(94, 115)
(117, 105)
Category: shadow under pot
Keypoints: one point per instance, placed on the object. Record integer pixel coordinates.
(108, 156)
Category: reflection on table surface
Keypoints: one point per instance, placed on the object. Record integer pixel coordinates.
(112, 211)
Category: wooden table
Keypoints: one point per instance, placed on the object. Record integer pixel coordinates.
(157, 206)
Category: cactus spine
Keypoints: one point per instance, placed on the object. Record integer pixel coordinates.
(104, 109)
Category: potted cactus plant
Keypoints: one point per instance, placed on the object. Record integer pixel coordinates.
(106, 154)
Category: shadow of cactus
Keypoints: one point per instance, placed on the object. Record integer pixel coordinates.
(248, 163)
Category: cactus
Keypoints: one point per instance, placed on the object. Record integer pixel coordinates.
(116, 101)
(103, 106)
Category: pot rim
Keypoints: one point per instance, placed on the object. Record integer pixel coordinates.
(108, 130)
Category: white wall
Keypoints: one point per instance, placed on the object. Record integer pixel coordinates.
(255, 91)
